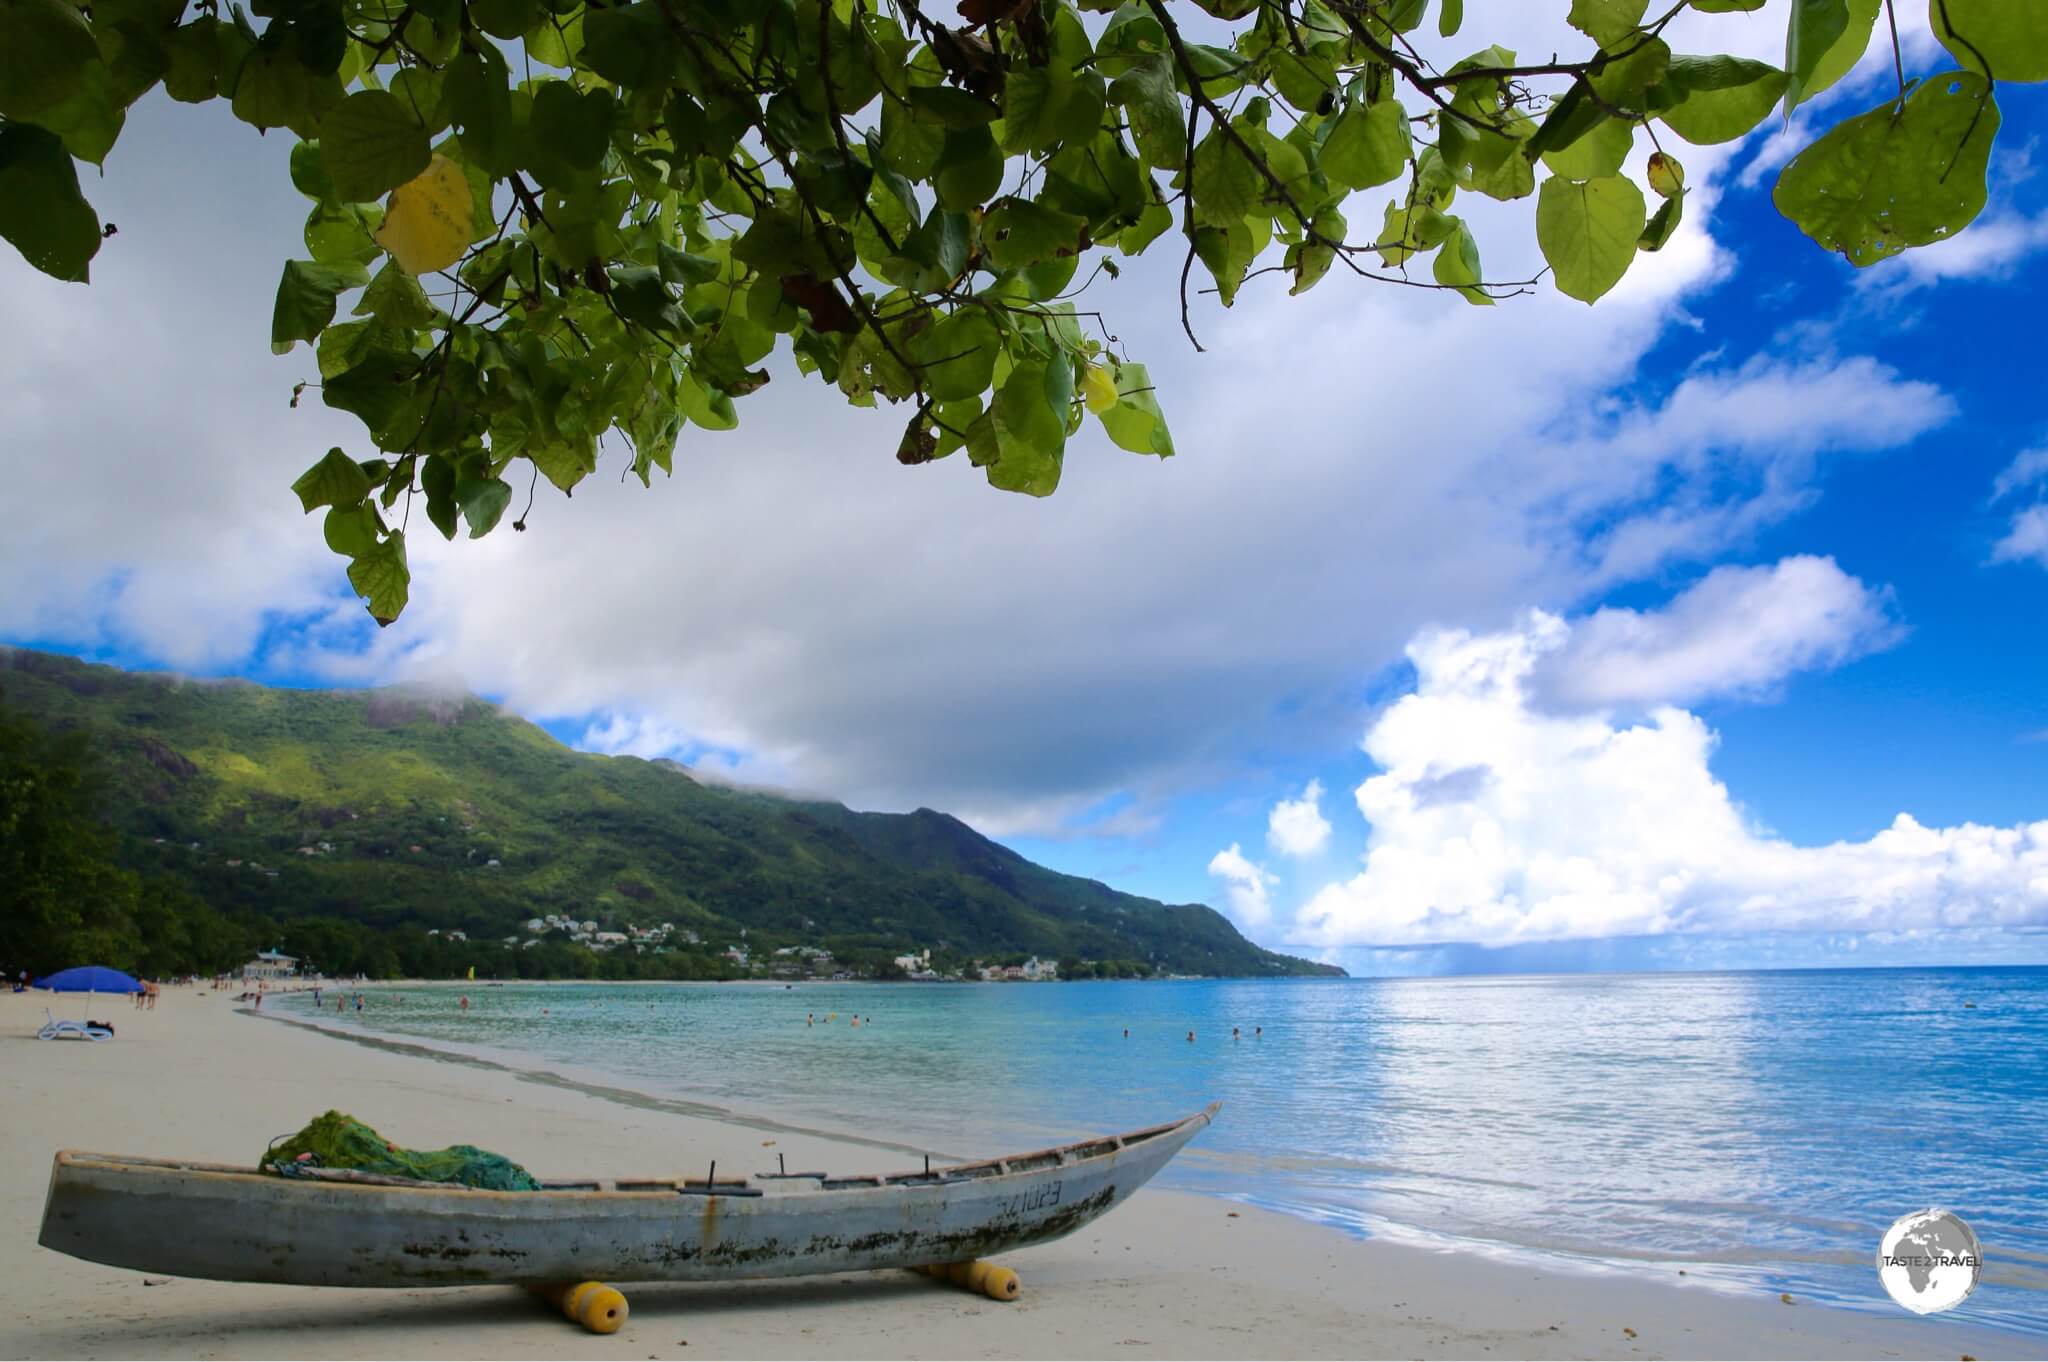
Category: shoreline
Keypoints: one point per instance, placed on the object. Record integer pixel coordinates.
(1170, 1273)
(1702, 1274)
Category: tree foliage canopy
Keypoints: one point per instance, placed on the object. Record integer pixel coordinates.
(553, 219)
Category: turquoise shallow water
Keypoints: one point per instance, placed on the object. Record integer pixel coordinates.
(1759, 1128)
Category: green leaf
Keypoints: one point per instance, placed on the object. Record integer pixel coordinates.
(337, 480)
(1662, 223)
(1153, 111)
(629, 45)
(1368, 145)
(1457, 265)
(1030, 421)
(273, 90)
(41, 211)
(89, 118)
(1226, 252)
(909, 145)
(950, 108)
(1606, 22)
(569, 131)
(309, 173)
(1598, 153)
(1814, 27)
(507, 19)
(382, 578)
(1311, 259)
(1135, 423)
(479, 105)
(396, 299)
(1890, 179)
(1588, 232)
(970, 169)
(45, 48)
(371, 144)
(1451, 18)
(642, 298)
(958, 355)
(375, 386)
(437, 480)
(351, 530)
(339, 234)
(1720, 98)
(1570, 117)
(305, 300)
(1226, 184)
(1407, 231)
(1018, 232)
(1044, 105)
(418, 89)
(567, 463)
(1304, 81)
(2011, 35)
(1823, 40)
(483, 501)
(1624, 82)
(193, 56)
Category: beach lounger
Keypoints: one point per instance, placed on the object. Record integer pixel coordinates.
(53, 1029)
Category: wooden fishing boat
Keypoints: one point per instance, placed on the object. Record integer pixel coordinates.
(334, 1227)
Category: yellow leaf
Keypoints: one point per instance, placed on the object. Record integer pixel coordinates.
(1667, 176)
(428, 223)
(1098, 389)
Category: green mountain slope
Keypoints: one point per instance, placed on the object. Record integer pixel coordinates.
(402, 810)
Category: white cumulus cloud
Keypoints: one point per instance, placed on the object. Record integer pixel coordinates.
(1497, 821)
(2026, 538)
(1738, 631)
(1246, 884)
(1296, 827)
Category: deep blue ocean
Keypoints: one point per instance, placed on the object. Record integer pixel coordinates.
(1760, 1129)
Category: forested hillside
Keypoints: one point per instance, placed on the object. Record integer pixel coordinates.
(348, 824)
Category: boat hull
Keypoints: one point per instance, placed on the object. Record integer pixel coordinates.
(228, 1224)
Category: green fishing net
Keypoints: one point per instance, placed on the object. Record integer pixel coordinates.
(337, 1140)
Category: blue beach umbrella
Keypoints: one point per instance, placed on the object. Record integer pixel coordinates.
(89, 979)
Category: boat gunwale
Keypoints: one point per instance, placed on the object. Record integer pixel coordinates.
(951, 1176)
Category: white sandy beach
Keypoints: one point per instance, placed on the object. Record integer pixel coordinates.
(1167, 1275)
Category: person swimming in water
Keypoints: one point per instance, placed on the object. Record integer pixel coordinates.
(1233, 1033)
(1191, 1035)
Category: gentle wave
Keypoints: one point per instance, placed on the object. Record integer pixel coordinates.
(1754, 1129)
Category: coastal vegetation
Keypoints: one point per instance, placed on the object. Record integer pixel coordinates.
(169, 825)
(533, 223)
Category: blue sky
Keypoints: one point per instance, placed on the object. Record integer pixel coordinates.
(1125, 680)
